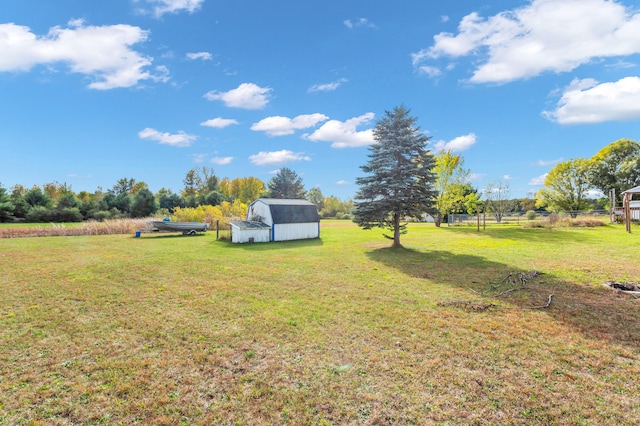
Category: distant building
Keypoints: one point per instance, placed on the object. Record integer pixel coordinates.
(283, 218)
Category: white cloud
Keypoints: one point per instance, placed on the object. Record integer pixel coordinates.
(219, 122)
(222, 160)
(431, 71)
(545, 163)
(180, 139)
(245, 96)
(538, 181)
(102, 53)
(461, 143)
(544, 35)
(199, 158)
(280, 126)
(359, 23)
(205, 56)
(587, 101)
(506, 177)
(327, 87)
(160, 7)
(476, 176)
(342, 182)
(277, 157)
(344, 134)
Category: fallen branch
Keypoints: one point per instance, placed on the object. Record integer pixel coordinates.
(517, 280)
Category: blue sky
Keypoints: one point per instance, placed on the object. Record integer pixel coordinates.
(94, 91)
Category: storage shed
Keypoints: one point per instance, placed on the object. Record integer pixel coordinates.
(287, 219)
(250, 232)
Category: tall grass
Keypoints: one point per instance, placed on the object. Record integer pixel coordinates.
(109, 227)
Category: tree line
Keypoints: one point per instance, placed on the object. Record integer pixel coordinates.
(55, 202)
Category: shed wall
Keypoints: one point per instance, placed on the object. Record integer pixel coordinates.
(295, 231)
(261, 210)
(245, 235)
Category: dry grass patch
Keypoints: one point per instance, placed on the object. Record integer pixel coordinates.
(109, 227)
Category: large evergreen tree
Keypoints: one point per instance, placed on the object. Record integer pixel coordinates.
(286, 184)
(6, 206)
(400, 176)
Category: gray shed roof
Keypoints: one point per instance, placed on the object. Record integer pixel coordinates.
(635, 190)
(245, 224)
(291, 211)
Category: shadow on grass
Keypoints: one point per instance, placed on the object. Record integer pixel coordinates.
(162, 236)
(532, 234)
(276, 245)
(600, 314)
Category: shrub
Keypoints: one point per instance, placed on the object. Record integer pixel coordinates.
(531, 214)
(101, 215)
(39, 214)
(66, 215)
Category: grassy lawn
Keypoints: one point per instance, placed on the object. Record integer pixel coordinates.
(166, 329)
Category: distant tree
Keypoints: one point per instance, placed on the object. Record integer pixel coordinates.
(56, 190)
(336, 208)
(137, 187)
(213, 198)
(450, 180)
(400, 176)
(67, 201)
(498, 202)
(122, 202)
(210, 182)
(464, 198)
(6, 206)
(616, 166)
(144, 204)
(36, 198)
(526, 204)
(245, 189)
(315, 196)
(286, 184)
(124, 186)
(566, 187)
(21, 206)
(169, 200)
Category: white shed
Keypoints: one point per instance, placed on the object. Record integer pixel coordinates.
(288, 219)
(250, 232)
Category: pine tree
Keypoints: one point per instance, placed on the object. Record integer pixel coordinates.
(286, 184)
(400, 181)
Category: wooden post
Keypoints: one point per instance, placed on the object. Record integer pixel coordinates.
(478, 217)
(612, 205)
(626, 205)
(484, 217)
(217, 230)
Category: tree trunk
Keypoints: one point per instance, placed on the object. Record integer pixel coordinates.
(437, 219)
(396, 230)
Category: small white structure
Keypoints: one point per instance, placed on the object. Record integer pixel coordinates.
(250, 232)
(286, 219)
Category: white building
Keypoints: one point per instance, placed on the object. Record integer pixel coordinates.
(285, 219)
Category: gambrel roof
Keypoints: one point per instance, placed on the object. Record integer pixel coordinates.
(291, 211)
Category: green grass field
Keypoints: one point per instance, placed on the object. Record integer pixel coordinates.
(166, 329)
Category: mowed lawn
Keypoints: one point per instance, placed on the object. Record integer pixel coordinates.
(166, 329)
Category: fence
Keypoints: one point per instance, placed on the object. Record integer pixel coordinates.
(520, 218)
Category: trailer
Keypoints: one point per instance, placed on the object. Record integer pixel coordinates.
(187, 228)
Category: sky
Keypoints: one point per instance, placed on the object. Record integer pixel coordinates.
(95, 91)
